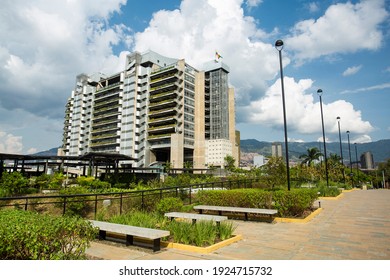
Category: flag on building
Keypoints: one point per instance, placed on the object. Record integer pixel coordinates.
(217, 56)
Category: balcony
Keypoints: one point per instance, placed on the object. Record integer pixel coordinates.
(166, 78)
(163, 104)
(108, 87)
(162, 129)
(163, 113)
(159, 137)
(107, 115)
(164, 120)
(112, 103)
(105, 122)
(165, 87)
(161, 96)
(164, 71)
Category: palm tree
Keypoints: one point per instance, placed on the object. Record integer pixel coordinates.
(312, 154)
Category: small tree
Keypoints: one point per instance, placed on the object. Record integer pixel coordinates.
(275, 172)
(312, 155)
(229, 163)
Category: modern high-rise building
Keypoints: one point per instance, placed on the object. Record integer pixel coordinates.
(157, 109)
(276, 149)
(367, 161)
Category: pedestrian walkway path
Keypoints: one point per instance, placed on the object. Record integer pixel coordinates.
(354, 227)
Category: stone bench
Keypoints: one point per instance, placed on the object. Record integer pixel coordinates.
(195, 217)
(244, 210)
(130, 232)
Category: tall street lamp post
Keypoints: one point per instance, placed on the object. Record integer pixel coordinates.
(279, 47)
(319, 92)
(341, 149)
(357, 164)
(350, 158)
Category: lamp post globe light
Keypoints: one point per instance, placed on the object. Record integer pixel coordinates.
(341, 148)
(319, 92)
(279, 47)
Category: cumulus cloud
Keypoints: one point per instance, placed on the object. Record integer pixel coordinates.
(10, 144)
(199, 28)
(45, 50)
(303, 111)
(344, 28)
(352, 70)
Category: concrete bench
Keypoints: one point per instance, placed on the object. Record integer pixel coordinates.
(130, 232)
(246, 211)
(195, 217)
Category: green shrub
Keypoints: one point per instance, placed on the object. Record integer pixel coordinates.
(295, 202)
(169, 204)
(328, 191)
(27, 235)
(252, 198)
(77, 205)
(13, 184)
(202, 233)
(92, 183)
(139, 219)
(226, 230)
(288, 203)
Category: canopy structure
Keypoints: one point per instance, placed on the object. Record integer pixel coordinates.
(25, 162)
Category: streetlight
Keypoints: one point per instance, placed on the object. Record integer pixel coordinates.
(341, 148)
(319, 92)
(350, 158)
(279, 47)
(357, 163)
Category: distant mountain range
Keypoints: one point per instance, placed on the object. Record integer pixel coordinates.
(51, 152)
(380, 149)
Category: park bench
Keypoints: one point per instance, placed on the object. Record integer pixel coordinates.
(246, 211)
(130, 232)
(195, 217)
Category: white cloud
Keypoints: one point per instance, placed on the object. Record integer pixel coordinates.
(313, 7)
(344, 28)
(361, 139)
(303, 111)
(364, 89)
(352, 70)
(253, 3)
(199, 28)
(10, 144)
(48, 44)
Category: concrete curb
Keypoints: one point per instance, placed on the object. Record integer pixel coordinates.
(299, 221)
(202, 250)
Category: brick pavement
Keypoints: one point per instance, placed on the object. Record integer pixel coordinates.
(354, 227)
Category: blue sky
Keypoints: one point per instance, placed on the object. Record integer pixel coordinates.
(341, 47)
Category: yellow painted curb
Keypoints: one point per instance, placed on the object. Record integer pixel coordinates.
(202, 250)
(331, 197)
(299, 221)
(351, 190)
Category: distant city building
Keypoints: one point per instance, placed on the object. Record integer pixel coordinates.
(259, 160)
(157, 109)
(367, 161)
(277, 149)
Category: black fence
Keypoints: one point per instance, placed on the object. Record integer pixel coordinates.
(88, 205)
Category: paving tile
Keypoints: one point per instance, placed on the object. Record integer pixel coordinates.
(354, 227)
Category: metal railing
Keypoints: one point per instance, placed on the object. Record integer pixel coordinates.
(140, 199)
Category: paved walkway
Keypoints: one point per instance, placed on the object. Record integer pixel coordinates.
(353, 227)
